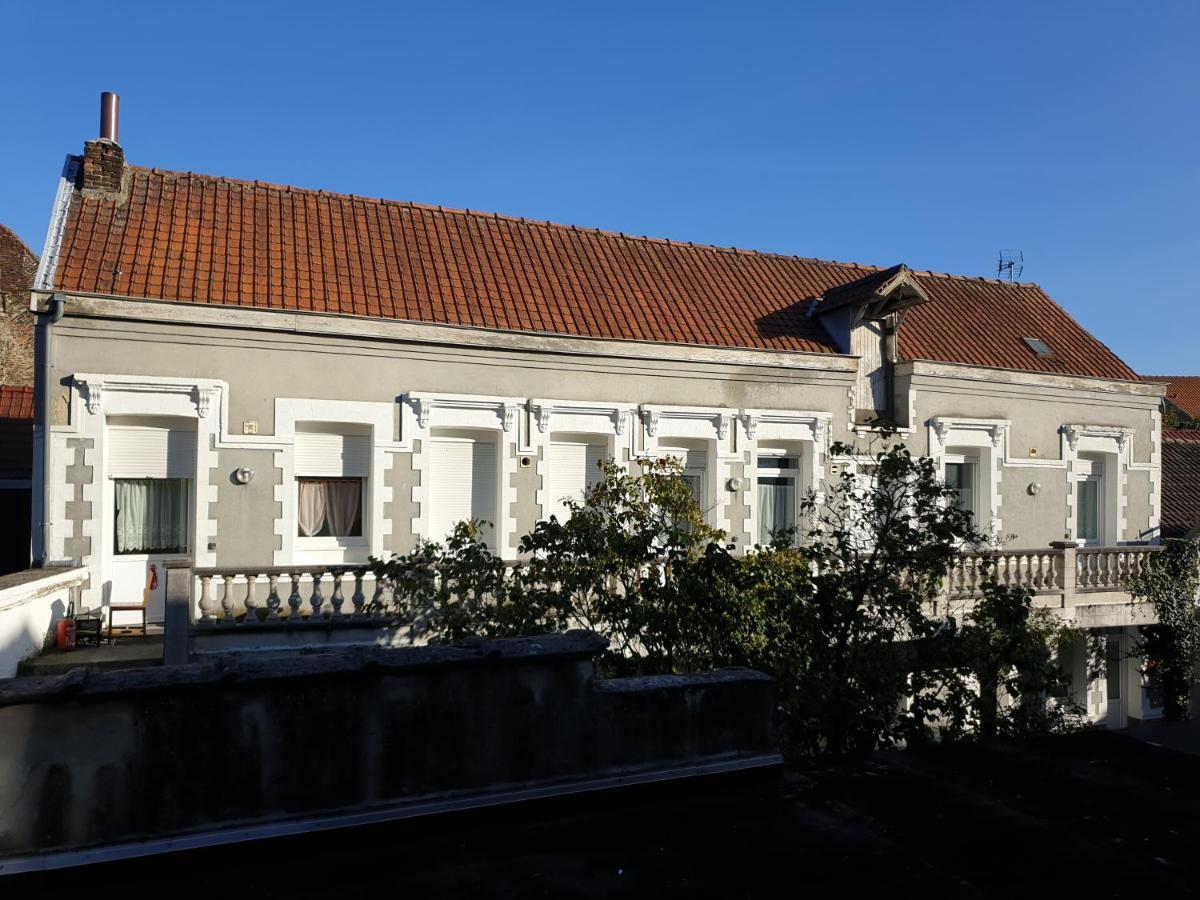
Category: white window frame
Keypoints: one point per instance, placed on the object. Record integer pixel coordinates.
(969, 459)
(795, 475)
(952, 438)
(1114, 445)
(1085, 472)
(506, 417)
(686, 450)
(466, 436)
(350, 546)
(584, 420)
(375, 420)
(574, 439)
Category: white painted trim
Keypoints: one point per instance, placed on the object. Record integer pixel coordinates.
(44, 279)
(94, 398)
(614, 422)
(795, 427)
(1115, 442)
(990, 438)
(507, 416)
(926, 368)
(380, 417)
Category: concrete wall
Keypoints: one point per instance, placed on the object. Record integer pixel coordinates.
(31, 605)
(104, 758)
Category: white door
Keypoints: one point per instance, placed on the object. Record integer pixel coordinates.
(149, 510)
(1110, 686)
(462, 485)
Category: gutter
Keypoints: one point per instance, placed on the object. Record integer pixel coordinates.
(53, 315)
(55, 308)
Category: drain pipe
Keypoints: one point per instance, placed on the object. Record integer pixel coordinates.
(54, 312)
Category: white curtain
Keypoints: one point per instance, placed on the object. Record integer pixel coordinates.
(330, 507)
(776, 507)
(151, 514)
(312, 507)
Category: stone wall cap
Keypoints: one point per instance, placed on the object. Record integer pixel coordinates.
(635, 684)
(250, 668)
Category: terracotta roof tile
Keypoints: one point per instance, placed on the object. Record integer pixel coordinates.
(198, 239)
(16, 432)
(1182, 390)
(1180, 482)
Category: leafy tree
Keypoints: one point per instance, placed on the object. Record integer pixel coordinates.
(878, 542)
(1170, 583)
(840, 612)
(997, 672)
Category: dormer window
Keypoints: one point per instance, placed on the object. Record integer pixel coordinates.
(864, 318)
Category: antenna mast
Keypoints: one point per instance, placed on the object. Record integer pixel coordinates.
(1010, 265)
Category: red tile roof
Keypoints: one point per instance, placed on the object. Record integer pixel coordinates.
(200, 239)
(1180, 481)
(16, 432)
(1182, 390)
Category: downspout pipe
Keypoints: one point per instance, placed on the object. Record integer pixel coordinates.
(55, 309)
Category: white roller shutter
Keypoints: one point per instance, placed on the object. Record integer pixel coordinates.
(462, 484)
(574, 468)
(324, 455)
(151, 452)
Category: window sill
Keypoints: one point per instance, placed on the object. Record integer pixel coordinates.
(330, 543)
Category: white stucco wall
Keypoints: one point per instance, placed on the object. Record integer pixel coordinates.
(31, 605)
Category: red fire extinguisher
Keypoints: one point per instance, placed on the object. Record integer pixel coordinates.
(66, 629)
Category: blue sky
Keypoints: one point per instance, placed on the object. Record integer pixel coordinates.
(929, 133)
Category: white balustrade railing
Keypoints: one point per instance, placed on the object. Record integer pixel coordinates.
(1038, 570)
(1063, 570)
(1107, 568)
(245, 595)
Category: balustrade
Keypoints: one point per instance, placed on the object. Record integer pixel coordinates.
(290, 594)
(1058, 570)
(1038, 570)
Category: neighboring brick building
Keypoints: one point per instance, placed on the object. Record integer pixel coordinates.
(1181, 483)
(1183, 396)
(17, 268)
(16, 462)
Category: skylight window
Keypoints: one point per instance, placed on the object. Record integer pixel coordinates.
(1038, 346)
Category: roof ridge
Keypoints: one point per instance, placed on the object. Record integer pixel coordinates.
(866, 268)
(4, 229)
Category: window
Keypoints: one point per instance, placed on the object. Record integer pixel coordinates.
(151, 515)
(1089, 501)
(463, 483)
(962, 477)
(695, 472)
(332, 466)
(330, 507)
(574, 470)
(777, 490)
(1038, 346)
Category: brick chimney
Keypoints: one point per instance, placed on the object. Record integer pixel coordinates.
(103, 162)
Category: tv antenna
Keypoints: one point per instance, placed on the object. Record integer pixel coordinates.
(1010, 265)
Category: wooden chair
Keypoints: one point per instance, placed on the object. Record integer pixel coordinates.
(151, 584)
